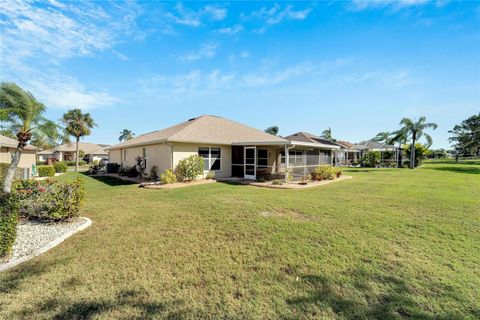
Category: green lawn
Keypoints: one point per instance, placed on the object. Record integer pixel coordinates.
(390, 243)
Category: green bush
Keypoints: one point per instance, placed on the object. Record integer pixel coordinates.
(190, 168)
(323, 172)
(153, 173)
(168, 177)
(48, 200)
(371, 159)
(41, 163)
(60, 167)
(277, 182)
(46, 171)
(72, 163)
(8, 223)
(113, 167)
(130, 172)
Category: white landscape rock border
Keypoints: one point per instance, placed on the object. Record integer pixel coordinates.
(48, 246)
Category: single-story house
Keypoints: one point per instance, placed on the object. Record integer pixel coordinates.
(228, 148)
(352, 153)
(66, 152)
(27, 159)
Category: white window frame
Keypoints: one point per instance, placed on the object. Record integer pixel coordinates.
(210, 162)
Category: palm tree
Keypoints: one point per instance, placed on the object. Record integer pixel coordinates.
(77, 124)
(383, 136)
(24, 116)
(415, 129)
(126, 135)
(272, 130)
(327, 134)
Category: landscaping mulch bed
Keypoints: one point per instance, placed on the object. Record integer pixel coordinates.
(290, 185)
(34, 238)
(179, 184)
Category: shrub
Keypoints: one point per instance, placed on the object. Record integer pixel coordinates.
(46, 171)
(113, 167)
(153, 173)
(72, 163)
(40, 163)
(323, 172)
(96, 162)
(277, 182)
(130, 172)
(168, 177)
(48, 200)
(371, 159)
(210, 175)
(190, 168)
(338, 172)
(8, 222)
(60, 167)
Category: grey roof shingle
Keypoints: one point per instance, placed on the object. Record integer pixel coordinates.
(206, 129)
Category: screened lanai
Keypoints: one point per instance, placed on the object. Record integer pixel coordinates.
(297, 157)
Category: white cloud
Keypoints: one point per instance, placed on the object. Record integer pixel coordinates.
(277, 14)
(192, 18)
(36, 39)
(58, 91)
(208, 50)
(395, 4)
(267, 78)
(231, 30)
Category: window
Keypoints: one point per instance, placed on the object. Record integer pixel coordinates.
(262, 158)
(211, 158)
(144, 152)
(294, 157)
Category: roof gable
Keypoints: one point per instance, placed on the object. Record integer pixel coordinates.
(204, 129)
(12, 143)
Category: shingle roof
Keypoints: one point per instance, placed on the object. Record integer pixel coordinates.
(308, 137)
(370, 144)
(204, 129)
(12, 143)
(86, 147)
(345, 144)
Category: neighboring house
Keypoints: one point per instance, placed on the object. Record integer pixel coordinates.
(66, 152)
(352, 153)
(348, 154)
(27, 160)
(228, 148)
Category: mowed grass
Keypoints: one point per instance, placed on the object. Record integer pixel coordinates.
(387, 244)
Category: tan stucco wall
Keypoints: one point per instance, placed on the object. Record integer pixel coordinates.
(161, 155)
(114, 156)
(184, 150)
(27, 159)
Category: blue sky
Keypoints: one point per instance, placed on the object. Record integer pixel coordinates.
(357, 67)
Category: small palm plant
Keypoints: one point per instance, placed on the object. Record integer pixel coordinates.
(416, 129)
(24, 116)
(77, 124)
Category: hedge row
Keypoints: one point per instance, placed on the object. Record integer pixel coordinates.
(46, 171)
(8, 223)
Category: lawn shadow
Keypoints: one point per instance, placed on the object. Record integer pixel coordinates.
(16, 276)
(467, 170)
(89, 309)
(111, 181)
(365, 301)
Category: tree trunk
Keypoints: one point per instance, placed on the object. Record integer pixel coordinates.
(7, 183)
(412, 151)
(76, 154)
